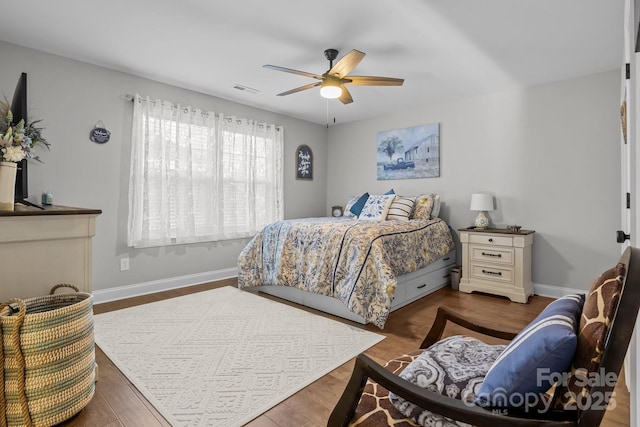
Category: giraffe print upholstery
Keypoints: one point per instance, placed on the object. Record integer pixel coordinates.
(375, 409)
(599, 307)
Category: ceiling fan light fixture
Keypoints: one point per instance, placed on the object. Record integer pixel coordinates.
(330, 91)
(333, 83)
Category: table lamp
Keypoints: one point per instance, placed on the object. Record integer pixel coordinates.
(481, 202)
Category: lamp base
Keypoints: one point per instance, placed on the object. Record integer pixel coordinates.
(481, 220)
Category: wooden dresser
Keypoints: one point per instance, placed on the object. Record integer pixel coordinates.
(41, 248)
(497, 261)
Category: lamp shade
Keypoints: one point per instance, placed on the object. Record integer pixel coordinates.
(481, 202)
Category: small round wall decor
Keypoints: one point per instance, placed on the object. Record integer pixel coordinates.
(99, 134)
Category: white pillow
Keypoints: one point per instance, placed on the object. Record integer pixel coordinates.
(435, 210)
(347, 212)
(377, 207)
(401, 208)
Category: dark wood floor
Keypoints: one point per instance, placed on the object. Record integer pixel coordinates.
(118, 403)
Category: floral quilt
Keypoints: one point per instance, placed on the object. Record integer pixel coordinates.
(354, 261)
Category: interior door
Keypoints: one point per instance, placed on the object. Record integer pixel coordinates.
(629, 159)
(623, 236)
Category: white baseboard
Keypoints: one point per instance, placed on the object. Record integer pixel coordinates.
(555, 291)
(128, 291)
(135, 290)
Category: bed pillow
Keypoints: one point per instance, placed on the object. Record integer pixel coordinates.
(453, 367)
(390, 192)
(356, 208)
(597, 315)
(423, 207)
(377, 207)
(401, 208)
(541, 351)
(347, 209)
(435, 210)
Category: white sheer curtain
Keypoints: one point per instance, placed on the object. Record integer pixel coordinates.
(252, 184)
(196, 178)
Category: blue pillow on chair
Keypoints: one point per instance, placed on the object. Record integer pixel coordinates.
(536, 357)
(357, 206)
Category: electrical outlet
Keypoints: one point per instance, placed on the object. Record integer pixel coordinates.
(124, 264)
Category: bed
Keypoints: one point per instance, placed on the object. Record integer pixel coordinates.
(358, 270)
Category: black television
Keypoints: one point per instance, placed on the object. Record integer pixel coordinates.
(19, 110)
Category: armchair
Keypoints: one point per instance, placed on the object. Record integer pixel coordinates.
(618, 289)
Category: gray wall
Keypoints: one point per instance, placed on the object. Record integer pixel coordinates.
(549, 154)
(71, 97)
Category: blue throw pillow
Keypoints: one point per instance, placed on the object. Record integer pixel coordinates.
(357, 206)
(389, 192)
(536, 357)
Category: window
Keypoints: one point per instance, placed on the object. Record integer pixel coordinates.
(196, 177)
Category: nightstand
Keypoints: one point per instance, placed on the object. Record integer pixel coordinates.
(497, 261)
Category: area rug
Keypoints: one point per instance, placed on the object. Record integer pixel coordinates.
(223, 357)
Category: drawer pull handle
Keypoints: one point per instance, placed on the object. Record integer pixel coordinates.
(494, 255)
(422, 286)
(445, 276)
(495, 273)
(490, 240)
(446, 259)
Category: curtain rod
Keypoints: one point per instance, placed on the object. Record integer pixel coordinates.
(131, 98)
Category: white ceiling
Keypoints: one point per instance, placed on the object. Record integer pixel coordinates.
(444, 49)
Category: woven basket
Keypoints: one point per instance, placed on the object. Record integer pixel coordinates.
(48, 356)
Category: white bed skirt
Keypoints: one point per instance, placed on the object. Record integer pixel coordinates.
(410, 287)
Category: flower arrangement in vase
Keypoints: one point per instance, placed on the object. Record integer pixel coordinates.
(17, 142)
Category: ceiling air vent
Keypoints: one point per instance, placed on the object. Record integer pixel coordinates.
(245, 88)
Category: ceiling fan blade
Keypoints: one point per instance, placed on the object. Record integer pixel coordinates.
(347, 63)
(300, 89)
(292, 71)
(375, 81)
(345, 98)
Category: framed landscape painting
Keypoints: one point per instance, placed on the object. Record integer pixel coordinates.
(407, 153)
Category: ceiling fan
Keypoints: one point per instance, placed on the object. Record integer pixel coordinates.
(332, 83)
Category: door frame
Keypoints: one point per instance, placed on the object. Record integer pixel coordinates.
(630, 182)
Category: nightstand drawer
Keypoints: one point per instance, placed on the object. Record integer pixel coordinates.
(484, 239)
(498, 255)
(492, 273)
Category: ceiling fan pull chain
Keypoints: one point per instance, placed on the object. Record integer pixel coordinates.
(327, 113)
